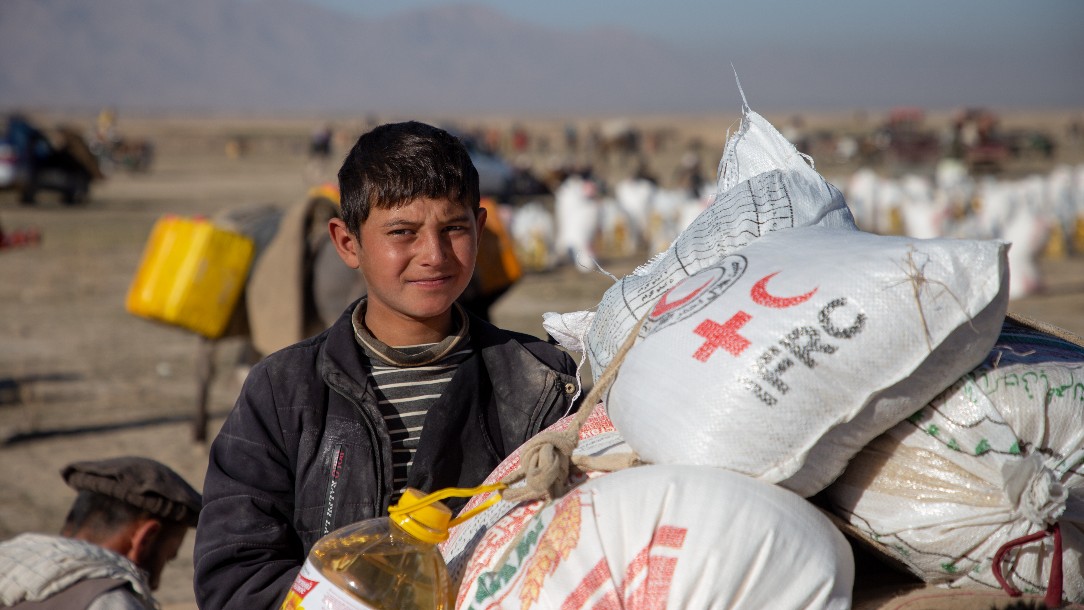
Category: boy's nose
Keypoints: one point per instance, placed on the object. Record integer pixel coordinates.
(432, 248)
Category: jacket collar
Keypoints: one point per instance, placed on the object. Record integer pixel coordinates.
(342, 358)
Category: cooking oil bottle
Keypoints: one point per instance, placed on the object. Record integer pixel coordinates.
(386, 563)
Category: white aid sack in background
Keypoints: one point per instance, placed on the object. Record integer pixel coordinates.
(789, 355)
(669, 537)
(765, 185)
(597, 438)
(996, 457)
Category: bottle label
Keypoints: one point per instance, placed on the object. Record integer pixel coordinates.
(313, 592)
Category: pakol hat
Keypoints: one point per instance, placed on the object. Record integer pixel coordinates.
(142, 482)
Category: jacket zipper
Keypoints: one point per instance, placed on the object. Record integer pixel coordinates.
(378, 454)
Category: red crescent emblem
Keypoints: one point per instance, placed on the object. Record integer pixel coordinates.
(760, 295)
(663, 306)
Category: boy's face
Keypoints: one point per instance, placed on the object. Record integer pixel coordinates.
(417, 259)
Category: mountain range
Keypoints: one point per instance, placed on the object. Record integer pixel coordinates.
(293, 56)
(287, 55)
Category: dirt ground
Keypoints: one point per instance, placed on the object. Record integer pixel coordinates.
(80, 378)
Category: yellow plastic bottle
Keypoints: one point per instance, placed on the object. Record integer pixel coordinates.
(386, 563)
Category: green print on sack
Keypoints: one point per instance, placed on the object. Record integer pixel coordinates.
(1063, 391)
(491, 583)
(1035, 383)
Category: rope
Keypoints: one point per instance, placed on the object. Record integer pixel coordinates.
(546, 459)
(1054, 585)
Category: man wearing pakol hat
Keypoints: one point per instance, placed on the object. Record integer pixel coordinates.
(129, 519)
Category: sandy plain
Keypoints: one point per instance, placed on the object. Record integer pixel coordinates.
(84, 379)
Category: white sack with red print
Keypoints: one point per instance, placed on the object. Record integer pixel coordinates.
(996, 457)
(765, 185)
(667, 537)
(789, 355)
(597, 438)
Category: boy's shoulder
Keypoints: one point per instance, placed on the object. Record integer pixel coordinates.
(293, 359)
(485, 334)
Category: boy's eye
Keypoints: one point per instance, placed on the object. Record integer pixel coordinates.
(400, 232)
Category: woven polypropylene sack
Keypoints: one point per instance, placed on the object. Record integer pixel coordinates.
(597, 438)
(667, 537)
(783, 360)
(995, 457)
(764, 186)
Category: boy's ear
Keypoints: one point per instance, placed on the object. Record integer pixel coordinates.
(345, 243)
(480, 220)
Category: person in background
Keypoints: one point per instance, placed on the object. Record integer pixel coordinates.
(406, 389)
(128, 520)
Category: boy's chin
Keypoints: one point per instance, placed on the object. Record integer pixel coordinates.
(429, 309)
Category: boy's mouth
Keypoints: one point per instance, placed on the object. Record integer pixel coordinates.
(432, 282)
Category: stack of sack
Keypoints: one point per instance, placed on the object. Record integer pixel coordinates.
(647, 537)
(982, 488)
(771, 344)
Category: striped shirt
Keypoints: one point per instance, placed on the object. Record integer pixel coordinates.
(407, 381)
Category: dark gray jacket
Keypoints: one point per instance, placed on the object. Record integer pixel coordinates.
(305, 450)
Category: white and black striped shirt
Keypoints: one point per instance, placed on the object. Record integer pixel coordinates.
(407, 381)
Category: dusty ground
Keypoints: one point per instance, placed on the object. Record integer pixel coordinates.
(80, 378)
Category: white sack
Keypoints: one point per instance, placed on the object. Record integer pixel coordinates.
(636, 196)
(578, 217)
(597, 438)
(534, 234)
(995, 457)
(784, 359)
(667, 537)
(765, 185)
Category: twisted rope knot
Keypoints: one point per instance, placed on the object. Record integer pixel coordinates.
(545, 463)
(546, 459)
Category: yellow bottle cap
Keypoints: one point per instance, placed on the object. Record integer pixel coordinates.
(427, 522)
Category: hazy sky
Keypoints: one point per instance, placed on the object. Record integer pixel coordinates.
(831, 53)
(983, 23)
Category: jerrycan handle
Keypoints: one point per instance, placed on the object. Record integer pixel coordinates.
(452, 492)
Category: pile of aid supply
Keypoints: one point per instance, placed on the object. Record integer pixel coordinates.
(646, 537)
(878, 376)
(777, 339)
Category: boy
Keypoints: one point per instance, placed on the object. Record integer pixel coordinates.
(405, 389)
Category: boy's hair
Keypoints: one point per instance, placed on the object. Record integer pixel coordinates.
(397, 163)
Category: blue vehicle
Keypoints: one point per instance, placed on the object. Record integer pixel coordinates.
(31, 162)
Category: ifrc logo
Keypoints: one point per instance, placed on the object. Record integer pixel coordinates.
(694, 293)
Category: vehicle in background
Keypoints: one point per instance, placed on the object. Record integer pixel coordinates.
(497, 178)
(905, 140)
(977, 140)
(1030, 143)
(7, 164)
(495, 175)
(32, 160)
